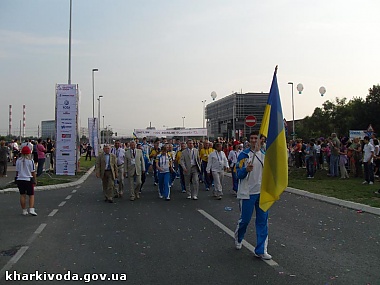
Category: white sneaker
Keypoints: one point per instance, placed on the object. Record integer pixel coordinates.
(32, 212)
(195, 198)
(160, 196)
(24, 212)
(370, 183)
(238, 245)
(189, 197)
(264, 256)
(364, 182)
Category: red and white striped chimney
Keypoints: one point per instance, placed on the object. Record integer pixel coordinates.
(23, 121)
(10, 120)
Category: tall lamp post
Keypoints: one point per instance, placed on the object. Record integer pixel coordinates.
(108, 133)
(294, 131)
(204, 110)
(183, 125)
(93, 92)
(99, 139)
(102, 134)
(71, 9)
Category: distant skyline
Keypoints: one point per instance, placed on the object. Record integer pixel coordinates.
(158, 60)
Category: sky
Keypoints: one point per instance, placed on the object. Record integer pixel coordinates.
(159, 59)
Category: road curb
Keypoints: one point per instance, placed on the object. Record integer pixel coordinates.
(332, 200)
(56, 186)
(336, 201)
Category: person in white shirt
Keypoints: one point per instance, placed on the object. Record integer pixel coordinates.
(15, 151)
(164, 165)
(232, 159)
(28, 144)
(369, 153)
(217, 164)
(250, 171)
(119, 152)
(26, 180)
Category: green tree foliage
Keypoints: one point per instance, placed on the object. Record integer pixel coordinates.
(341, 115)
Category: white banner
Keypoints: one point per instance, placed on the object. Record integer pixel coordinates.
(66, 114)
(64, 167)
(93, 135)
(172, 133)
(358, 134)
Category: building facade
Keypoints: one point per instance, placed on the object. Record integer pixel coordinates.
(226, 117)
(48, 129)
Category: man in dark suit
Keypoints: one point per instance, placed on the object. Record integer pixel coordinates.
(190, 163)
(106, 169)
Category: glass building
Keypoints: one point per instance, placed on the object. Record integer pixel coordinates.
(226, 117)
(48, 129)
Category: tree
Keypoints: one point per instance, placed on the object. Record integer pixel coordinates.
(341, 115)
(373, 107)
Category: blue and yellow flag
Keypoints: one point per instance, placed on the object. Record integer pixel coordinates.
(134, 135)
(275, 172)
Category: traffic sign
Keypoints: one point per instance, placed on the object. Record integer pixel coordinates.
(250, 121)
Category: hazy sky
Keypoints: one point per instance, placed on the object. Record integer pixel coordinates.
(159, 59)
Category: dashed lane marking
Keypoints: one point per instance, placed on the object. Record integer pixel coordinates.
(40, 229)
(232, 234)
(62, 203)
(21, 251)
(68, 197)
(52, 213)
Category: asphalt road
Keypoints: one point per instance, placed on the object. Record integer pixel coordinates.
(152, 241)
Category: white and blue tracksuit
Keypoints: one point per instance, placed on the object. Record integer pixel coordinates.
(249, 196)
(164, 162)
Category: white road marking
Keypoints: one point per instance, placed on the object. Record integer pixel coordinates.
(68, 197)
(232, 234)
(74, 191)
(52, 213)
(40, 229)
(21, 251)
(13, 261)
(62, 203)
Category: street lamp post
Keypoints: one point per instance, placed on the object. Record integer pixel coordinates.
(93, 92)
(204, 110)
(294, 131)
(71, 9)
(99, 97)
(102, 134)
(108, 133)
(183, 125)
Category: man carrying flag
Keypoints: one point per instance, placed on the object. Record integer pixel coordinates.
(259, 186)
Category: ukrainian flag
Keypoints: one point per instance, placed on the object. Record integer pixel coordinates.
(275, 172)
(134, 135)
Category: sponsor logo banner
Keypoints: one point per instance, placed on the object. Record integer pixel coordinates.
(66, 126)
(184, 132)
